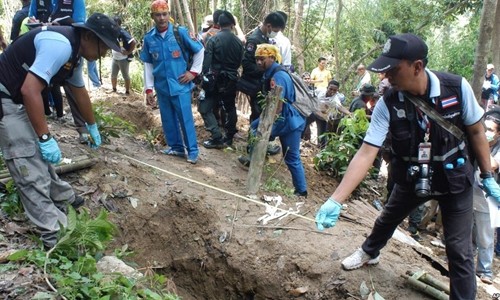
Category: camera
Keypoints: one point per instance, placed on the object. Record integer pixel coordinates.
(422, 175)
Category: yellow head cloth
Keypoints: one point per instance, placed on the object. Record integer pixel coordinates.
(268, 50)
(159, 6)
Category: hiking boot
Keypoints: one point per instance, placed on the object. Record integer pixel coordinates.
(213, 144)
(412, 230)
(358, 259)
(244, 160)
(300, 194)
(228, 142)
(273, 149)
(84, 138)
(78, 202)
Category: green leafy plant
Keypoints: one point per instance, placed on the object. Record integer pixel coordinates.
(341, 147)
(71, 264)
(109, 124)
(136, 76)
(151, 137)
(10, 202)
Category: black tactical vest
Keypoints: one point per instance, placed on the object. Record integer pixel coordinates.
(64, 8)
(43, 10)
(20, 55)
(407, 134)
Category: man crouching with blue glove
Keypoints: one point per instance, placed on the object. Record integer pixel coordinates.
(428, 161)
(45, 55)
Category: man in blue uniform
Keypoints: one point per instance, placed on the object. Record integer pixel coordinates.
(166, 69)
(36, 59)
(429, 162)
(290, 124)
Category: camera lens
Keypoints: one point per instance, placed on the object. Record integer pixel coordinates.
(423, 187)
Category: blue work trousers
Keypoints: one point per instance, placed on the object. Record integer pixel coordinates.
(178, 123)
(290, 145)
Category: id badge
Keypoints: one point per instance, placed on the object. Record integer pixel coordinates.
(424, 153)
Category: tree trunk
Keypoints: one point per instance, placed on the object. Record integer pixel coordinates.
(258, 155)
(483, 45)
(296, 39)
(178, 10)
(336, 40)
(188, 15)
(496, 40)
(195, 25)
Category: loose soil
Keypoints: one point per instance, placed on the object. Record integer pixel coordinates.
(207, 240)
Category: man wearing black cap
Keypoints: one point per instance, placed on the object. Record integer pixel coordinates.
(42, 56)
(428, 162)
(223, 55)
(365, 96)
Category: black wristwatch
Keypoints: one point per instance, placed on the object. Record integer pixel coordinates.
(484, 175)
(44, 137)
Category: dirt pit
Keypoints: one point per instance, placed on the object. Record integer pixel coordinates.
(191, 223)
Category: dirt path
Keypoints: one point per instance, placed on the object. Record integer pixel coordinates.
(209, 242)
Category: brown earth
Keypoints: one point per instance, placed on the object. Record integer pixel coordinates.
(208, 240)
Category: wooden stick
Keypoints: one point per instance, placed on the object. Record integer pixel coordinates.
(258, 156)
(283, 227)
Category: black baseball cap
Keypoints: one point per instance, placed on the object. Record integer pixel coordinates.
(104, 27)
(398, 47)
(367, 89)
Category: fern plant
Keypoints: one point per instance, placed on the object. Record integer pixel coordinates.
(10, 202)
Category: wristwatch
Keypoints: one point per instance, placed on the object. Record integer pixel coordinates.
(484, 175)
(44, 137)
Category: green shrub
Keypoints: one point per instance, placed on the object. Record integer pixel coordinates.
(341, 147)
(109, 124)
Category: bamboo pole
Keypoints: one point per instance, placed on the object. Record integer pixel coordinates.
(258, 155)
(427, 278)
(65, 168)
(425, 288)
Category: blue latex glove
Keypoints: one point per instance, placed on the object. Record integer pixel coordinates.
(50, 151)
(490, 186)
(95, 141)
(328, 214)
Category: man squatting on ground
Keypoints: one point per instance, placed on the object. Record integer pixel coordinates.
(44, 55)
(404, 60)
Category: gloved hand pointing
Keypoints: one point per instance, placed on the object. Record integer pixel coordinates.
(328, 214)
(490, 186)
(50, 151)
(94, 134)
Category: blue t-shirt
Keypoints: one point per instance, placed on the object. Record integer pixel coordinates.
(53, 50)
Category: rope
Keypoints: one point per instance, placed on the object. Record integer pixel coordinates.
(211, 187)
